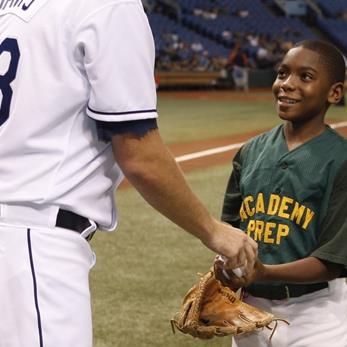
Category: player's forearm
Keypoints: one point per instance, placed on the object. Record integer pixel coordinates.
(169, 194)
(307, 270)
(153, 171)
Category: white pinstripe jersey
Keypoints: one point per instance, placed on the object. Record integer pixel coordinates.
(63, 64)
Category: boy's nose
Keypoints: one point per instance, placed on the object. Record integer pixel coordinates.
(288, 83)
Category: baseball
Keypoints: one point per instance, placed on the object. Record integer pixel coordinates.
(239, 271)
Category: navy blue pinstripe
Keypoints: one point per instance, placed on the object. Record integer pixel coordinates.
(39, 326)
(121, 113)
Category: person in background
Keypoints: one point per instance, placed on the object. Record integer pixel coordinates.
(238, 63)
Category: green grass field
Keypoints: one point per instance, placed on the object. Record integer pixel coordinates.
(146, 266)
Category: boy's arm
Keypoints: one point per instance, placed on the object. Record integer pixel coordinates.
(303, 271)
(307, 270)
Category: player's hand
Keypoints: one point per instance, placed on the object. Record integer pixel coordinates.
(234, 244)
(228, 277)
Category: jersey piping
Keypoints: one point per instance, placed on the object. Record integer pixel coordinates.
(121, 113)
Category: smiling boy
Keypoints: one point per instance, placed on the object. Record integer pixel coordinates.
(288, 191)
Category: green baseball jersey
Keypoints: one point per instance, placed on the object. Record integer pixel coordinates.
(293, 203)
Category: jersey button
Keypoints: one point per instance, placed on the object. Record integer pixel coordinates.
(284, 165)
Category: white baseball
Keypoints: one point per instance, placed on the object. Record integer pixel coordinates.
(239, 271)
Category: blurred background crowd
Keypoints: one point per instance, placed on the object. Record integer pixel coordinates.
(235, 37)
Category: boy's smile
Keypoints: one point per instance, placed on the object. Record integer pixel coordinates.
(302, 86)
(284, 101)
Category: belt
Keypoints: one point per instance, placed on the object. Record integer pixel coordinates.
(72, 221)
(282, 292)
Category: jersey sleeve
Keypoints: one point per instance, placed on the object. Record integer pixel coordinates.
(118, 54)
(333, 237)
(232, 198)
(139, 128)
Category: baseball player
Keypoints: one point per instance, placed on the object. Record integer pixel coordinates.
(78, 110)
(288, 191)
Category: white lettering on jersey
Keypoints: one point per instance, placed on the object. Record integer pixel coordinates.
(24, 9)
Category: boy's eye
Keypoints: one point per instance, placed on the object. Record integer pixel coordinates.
(306, 76)
(281, 73)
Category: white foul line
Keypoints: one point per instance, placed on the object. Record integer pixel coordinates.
(208, 152)
(231, 147)
(339, 125)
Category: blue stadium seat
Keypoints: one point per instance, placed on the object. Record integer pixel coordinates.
(332, 8)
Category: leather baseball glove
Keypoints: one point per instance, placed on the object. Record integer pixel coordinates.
(209, 309)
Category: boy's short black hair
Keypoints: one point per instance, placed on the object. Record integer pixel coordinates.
(331, 57)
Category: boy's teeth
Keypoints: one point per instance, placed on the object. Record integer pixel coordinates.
(288, 101)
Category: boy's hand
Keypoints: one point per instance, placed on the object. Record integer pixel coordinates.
(226, 275)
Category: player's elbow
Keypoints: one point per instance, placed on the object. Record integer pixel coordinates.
(136, 171)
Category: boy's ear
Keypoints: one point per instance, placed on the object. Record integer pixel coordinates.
(336, 93)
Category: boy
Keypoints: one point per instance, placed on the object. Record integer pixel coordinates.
(288, 191)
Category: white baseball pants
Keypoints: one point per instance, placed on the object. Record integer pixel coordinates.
(44, 287)
(318, 319)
